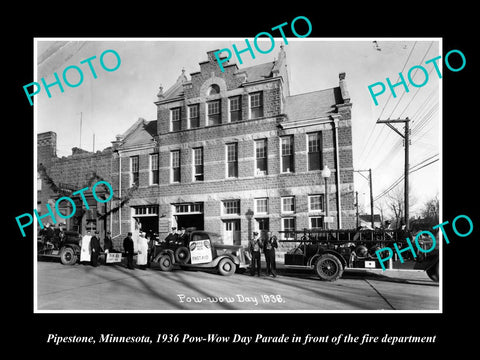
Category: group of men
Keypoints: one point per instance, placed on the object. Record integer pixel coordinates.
(91, 248)
(267, 243)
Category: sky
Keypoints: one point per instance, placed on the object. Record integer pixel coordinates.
(109, 104)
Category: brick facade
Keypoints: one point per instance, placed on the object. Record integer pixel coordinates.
(204, 202)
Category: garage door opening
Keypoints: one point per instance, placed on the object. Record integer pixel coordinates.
(188, 215)
(146, 218)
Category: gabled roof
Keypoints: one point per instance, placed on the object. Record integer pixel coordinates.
(141, 132)
(258, 72)
(313, 104)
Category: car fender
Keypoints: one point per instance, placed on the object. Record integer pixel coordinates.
(165, 252)
(235, 259)
(314, 258)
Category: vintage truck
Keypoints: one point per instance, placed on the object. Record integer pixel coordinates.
(330, 252)
(66, 248)
(200, 250)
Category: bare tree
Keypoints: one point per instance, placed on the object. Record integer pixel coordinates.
(396, 203)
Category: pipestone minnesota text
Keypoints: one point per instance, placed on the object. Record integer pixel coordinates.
(249, 48)
(420, 249)
(51, 214)
(403, 83)
(69, 82)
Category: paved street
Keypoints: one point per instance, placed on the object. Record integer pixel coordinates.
(82, 287)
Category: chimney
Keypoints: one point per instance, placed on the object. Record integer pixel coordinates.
(343, 88)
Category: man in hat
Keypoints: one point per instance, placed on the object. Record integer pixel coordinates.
(108, 245)
(85, 248)
(269, 246)
(255, 246)
(172, 236)
(142, 246)
(128, 248)
(94, 249)
(182, 237)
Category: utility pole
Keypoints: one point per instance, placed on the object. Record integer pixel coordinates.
(356, 206)
(371, 198)
(372, 220)
(406, 141)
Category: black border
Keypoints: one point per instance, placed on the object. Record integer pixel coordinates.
(28, 331)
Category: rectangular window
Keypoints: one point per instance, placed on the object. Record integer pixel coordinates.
(198, 164)
(256, 105)
(316, 223)
(314, 155)
(288, 224)
(175, 165)
(232, 160)
(261, 206)
(154, 169)
(134, 170)
(315, 203)
(288, 204)
(213, 112)
(193, 116)
(287, 154)
(235, 108)
(176, 119)
(231, 207)
(261, 157)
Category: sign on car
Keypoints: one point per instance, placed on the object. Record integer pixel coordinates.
(200, 251)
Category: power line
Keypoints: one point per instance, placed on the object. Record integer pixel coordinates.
(399, 180)
(388, 100)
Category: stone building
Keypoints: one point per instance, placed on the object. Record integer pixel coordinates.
(230, 152)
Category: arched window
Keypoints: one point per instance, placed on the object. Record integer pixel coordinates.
(213, 89)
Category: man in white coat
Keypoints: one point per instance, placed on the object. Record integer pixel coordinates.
(142, 252)
(85, 248)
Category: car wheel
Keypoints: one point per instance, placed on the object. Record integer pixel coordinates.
(432, 272)
(165, 263)
(67, 256)
(226, 267)
(329, 267)
(182, 255)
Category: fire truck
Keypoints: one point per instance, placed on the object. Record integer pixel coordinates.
(330, 252)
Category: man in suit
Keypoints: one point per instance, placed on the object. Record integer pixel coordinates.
(255, 246)
(94, 249)
(269, 246)
(128, 248)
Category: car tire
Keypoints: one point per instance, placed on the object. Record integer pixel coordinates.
(68, 256)
(182, 255)
(165, 262)
(329, 267)
(433, 273)
(226, 267)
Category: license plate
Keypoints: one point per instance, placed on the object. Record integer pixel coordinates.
(370, 264)
(54, 252)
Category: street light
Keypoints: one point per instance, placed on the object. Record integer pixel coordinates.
(326, 174)
(249, 216)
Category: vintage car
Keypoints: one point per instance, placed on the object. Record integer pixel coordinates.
(67, 248)
(201, 250)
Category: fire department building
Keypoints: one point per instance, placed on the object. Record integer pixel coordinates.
(230, 152)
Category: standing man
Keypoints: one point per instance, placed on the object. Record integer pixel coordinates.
(255, 246)
(269, 246)
(142, 253)
(128, 248)
(85, 248)
(107, 245)
(94, 249)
